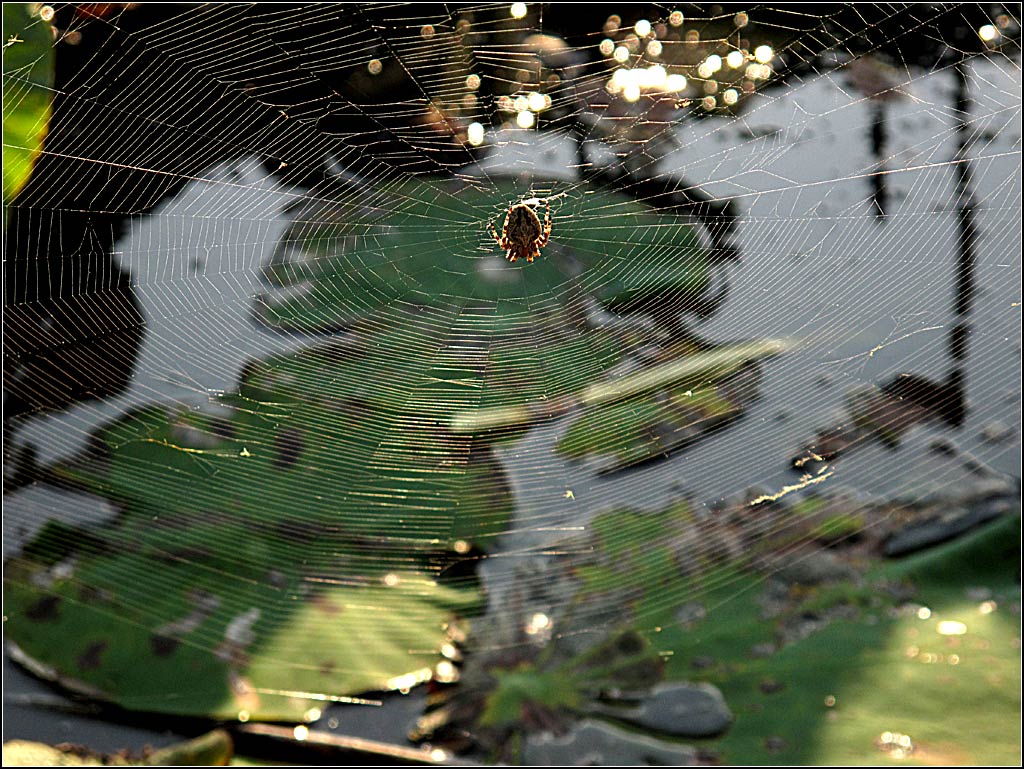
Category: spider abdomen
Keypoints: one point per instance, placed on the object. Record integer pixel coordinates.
(523, 235)
(524, 226)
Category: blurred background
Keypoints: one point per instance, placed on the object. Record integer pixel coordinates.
(299, 467)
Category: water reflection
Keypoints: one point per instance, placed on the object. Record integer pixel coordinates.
(187, 299)
(907, 399)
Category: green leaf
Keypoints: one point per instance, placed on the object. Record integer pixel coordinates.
(28, 92)
(674, 404)
(423, 243)
(880, 667)
(286, 542)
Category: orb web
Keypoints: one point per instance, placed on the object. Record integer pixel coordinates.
(276, 383)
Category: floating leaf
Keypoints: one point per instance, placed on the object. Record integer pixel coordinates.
(406, 245)
(701, 367)
(848, 682)
(676, 403)
(285, 543)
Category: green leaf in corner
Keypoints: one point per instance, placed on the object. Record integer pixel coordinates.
(28, 92)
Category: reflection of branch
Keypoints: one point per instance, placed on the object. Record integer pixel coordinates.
(713, 363)
(965, 208)
(879, 139)
(881, 84)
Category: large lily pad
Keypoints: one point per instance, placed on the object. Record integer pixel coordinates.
(290, 539)
(410, 268)
(28, 92)
(877, 670)
(424, 244)
(204, 645)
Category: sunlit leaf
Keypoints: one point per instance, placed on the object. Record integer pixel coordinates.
(268, 553)
(28, 81)
(212, 749)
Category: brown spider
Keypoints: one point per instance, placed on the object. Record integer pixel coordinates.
(523, 235)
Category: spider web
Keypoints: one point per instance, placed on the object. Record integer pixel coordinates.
(838, 194)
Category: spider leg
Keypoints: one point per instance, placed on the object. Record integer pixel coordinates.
(494, 234)
(543, 239)
(534, 255)
(511, 255)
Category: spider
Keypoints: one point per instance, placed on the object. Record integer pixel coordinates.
(523, 235)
